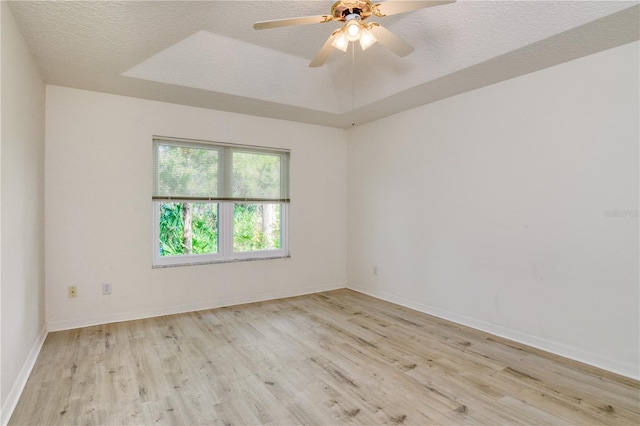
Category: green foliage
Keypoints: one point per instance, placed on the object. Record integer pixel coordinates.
(256, 227)
(171, 229)
(204, 227)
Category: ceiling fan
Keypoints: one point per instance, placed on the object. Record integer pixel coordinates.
(353, 13)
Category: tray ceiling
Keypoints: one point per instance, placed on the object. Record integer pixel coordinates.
(207, 54)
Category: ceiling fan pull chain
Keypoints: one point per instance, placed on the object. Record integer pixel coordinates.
(353, 84)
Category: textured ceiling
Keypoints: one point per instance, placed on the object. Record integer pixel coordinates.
(206, 53)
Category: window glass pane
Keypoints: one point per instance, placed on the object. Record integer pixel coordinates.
(188, 228)
(256, 227)
(256, 175)
(186, 171)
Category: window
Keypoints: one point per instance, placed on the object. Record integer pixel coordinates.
(217, 202)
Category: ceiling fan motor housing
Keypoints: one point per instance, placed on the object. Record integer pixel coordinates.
(342, 9)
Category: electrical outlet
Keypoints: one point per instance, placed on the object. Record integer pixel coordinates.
(72, 291)
(106, 288)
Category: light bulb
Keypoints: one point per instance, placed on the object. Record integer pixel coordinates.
(353, 30)
(340, 42)
(367, 39)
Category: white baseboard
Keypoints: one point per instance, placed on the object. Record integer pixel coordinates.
(179, 309)
(21, 380)
(614, 366)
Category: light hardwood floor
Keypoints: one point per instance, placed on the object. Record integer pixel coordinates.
(331, 358)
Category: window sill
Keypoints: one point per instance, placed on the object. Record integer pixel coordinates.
(214, 262)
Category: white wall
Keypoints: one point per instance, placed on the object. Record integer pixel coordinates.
(99, 215)
(488, 208)
(22, 232)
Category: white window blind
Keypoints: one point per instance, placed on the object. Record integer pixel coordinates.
(187, 170)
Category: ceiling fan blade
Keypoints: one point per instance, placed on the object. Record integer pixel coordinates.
(303, 20)
(325, 51)
(390, 40)
(393, 7)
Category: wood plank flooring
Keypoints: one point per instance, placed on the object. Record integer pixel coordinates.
(332, 358)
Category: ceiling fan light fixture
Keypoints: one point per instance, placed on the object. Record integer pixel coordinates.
(340, 42)
(367, 39)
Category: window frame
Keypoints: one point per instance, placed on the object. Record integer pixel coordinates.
(225, 218)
